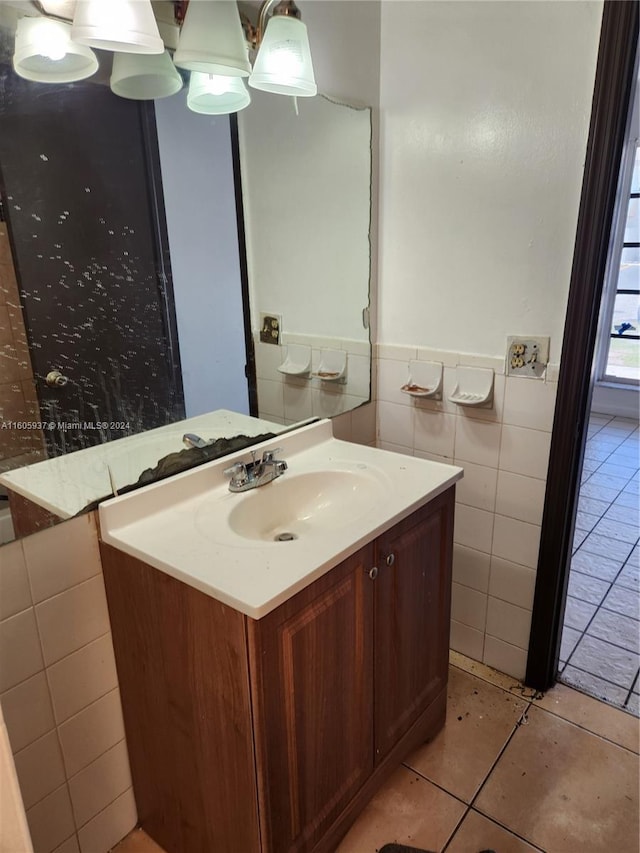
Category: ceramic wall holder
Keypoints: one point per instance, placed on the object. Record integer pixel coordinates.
(297, 361)
(333, 366)
(474, 387)
(425, 380)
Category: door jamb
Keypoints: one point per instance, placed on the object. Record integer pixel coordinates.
(615, 71)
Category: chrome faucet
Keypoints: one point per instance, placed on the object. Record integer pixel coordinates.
(250, 475)
(190, 439)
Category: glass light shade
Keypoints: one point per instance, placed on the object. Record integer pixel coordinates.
(144, 78)
(215, 94)
(45, 53)
(212, 40)
(283, 64)
(127, 26)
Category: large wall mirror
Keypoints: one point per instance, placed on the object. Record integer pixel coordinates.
(142, 246)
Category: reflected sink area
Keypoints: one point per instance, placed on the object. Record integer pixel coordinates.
(310, 504)
(253, 550)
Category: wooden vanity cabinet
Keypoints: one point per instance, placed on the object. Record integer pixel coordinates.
(271, 735)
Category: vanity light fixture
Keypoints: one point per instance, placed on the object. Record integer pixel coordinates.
(45, 53)
(283, 64)
(144, 77)
(212, 40)
(127, 26)
(215, 94)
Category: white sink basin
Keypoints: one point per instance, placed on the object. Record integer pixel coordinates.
(334, 498)
(313, 503)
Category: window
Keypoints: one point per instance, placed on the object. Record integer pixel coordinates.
(619, 356)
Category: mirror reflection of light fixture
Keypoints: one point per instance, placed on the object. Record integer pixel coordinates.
(144, 77)
(283, 64)
(215, 94)
(128, 26)
(45, 53)
(212, 40)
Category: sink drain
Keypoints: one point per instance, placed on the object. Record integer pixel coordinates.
(285, 537)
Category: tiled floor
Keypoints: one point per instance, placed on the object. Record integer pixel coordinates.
(600, 650)
(510, 772)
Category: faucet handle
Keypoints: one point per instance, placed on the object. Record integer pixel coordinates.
(237, 472)
(268, 455)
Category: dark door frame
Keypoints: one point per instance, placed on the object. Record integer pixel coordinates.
(615, 70)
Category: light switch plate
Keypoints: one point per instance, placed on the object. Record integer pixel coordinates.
(527, 356)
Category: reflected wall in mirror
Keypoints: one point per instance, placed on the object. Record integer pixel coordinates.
(121, 269)
(306, 189)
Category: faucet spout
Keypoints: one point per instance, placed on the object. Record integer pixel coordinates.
(251, 475)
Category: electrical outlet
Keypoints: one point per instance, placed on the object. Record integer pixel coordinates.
(270, 325)
(527, 357)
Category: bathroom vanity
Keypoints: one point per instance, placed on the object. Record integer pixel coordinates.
(269, 687)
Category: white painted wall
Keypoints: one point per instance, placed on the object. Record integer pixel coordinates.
(197, 177)
(485, 109)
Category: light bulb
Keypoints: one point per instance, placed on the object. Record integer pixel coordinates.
(51, 42)
(218, 84)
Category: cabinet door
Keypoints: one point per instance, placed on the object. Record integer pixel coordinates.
(312, 692)
(412, 607)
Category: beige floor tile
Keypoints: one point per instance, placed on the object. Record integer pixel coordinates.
(480, 719)
(597, 717)
(565, 789)
(407, 810)
(479, 833)
(137, 842)
(486, 673)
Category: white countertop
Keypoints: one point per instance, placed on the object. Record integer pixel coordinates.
(67, 484)
(181, 525)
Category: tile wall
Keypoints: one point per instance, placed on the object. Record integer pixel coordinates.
(504, 452)
(59, 691)
(288, 399)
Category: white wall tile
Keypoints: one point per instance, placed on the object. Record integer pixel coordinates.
(341, 426)
(82, 677)
(110, 826)
(529, 403)
(524, 451)
(72, 619)
(270, 395)
(298, 401)
(91, 732)
(394, 448)
(40, 769)
(359, 375)
(478, 486)
(433, 457)
(395, 424)
(520, 497)
(466, 640)
(511, 582)
(62, 556)
(508, 622)
(15, 594)
(477, 441)
(268, 358)
(20, 653)
(468, 606)
(392, 375)
(473, 528)
(505, 657)
(398, 352)
(328, 403)
(434, 432)
(516, 541)
(471, 568)
(27, 711)
(99, 784)
(51, 821)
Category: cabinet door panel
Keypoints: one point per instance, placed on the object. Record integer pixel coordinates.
(313, 664)
(412, 605)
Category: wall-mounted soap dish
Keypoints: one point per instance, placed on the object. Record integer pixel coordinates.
(333, 366)
(425, 380)
(297, 361)
(474, 387)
